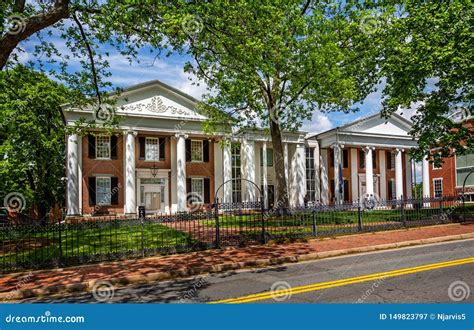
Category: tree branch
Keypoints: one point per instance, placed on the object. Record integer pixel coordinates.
(91, 57)
(31, 25)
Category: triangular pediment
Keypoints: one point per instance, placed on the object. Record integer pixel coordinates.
(395, 125)
(155, 99)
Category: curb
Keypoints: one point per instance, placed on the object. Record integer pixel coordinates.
(162, 276)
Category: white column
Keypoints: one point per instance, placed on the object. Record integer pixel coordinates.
(265, 175)
(248, 170)
(426, 178)
(408, 181)
(72, 176)
(337, 168)
(324, 177)
(398, 173)
(130, 189)
(369, 172)
(218, 169)
(383, 174)
(174, 176)
(300, 159)
(80, 174)
(227, 172)
(317, 175)
(354, 176)
(181, 171)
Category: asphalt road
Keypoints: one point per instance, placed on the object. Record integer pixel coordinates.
(300, 283)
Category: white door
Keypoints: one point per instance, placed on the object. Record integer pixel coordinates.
(153, 195)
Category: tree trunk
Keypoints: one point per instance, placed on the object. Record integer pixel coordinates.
(281, 198)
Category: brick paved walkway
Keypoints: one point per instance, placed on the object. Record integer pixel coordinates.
(184, 262)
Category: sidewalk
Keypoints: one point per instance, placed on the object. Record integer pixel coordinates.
(83, 278)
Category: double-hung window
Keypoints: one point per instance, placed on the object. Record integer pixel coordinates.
(438, 187)
(102, 146)
(103, 191)
(152, 148)
(197, 188)
(196, 151)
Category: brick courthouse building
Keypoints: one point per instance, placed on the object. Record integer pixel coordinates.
(160, 157)
(449, 178)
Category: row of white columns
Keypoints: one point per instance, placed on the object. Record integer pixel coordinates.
(295, 177)
(369, 175)
(295, 174)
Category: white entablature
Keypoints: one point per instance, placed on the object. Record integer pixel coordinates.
(371, 131)
(152, 100)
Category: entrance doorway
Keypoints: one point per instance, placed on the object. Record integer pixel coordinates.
(363, 186)
(153, 194)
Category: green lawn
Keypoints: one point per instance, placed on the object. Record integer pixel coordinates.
(254, 220)
(37, 245)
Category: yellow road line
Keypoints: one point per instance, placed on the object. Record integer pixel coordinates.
(342, 282)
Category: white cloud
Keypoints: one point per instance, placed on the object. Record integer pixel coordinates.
(125, 74)
(320, 122)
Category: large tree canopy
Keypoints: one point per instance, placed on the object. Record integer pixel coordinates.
(428, 63)
(275, 63)
(83, 32)
(32, 160)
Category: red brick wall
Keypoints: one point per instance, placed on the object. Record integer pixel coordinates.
(166, 164)
(448, 173)
(93, 167)
(203, 169)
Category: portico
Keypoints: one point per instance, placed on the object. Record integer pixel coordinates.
(367, 158)
(159, 157)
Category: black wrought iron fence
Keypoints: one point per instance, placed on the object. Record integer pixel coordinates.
(79, 241)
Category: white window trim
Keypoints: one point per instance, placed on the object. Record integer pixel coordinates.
(97, 201)
(158, 144)
(203, 189)
(462, 167)
(202, 151)
(110, 148)
(434, 186)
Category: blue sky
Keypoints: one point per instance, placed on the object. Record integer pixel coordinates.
(170, 70)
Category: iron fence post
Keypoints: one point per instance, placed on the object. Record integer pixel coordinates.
(402, 211)
(315, 229)
(216, 217)
(60, 253)
(359, 215)
(264, 239)
(142, 220)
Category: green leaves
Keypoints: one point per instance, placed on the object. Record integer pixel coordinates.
(32, 156)
(297, 55)
(428, 62)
